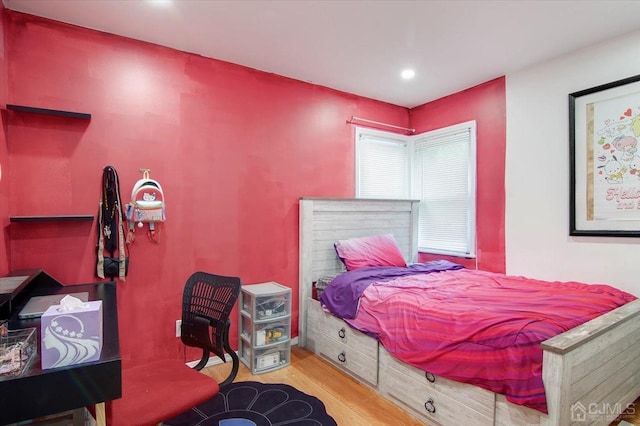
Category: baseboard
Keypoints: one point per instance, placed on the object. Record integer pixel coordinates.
(214, 360)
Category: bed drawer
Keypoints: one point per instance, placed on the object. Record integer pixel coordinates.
(451, 402)
(338, 330)
(352, 361)
(348, 349)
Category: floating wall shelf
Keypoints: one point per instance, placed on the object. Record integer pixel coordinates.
(72, 114)
(63, 218)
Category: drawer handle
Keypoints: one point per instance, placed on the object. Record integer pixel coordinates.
(430, 377)
(342, 333)
(430, 406)
(342, 357)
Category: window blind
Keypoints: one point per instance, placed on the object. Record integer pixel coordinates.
(382, 167)
(445, 184)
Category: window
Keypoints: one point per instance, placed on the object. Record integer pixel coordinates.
(438, 168)
(382, 165)
(444, 181)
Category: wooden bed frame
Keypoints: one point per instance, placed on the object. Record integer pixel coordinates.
(591, 373)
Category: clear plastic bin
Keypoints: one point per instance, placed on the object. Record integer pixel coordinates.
(18, 348)
(266, 333)
(270, 358)
(263, 303)
(265, 326)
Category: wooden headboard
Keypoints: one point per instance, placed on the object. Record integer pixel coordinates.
(323, 221)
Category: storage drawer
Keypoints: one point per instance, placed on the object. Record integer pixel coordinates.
(264, 303)
(265, 333)
(320, 321)
(265, 326)
(342, 332)
(451, 402)
(324, 333)
(263, 360)
(478, 399)
(354, 362)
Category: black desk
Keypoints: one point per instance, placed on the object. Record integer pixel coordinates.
(43, 392)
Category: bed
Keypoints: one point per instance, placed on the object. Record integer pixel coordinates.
(591, 373)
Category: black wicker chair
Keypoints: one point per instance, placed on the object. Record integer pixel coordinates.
(207, 302)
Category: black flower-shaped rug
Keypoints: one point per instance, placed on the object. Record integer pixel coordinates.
(259, 404)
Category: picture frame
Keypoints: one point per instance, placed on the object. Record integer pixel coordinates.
(604, 134)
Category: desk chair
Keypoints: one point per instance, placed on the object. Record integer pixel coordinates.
(160, 390)
(206, 304)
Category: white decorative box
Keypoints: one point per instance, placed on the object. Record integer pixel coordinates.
(71, 336)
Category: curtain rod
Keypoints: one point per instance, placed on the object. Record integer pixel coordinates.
(364, 120)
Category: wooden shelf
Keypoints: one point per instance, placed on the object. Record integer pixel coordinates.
(72, 114)
(61, 218)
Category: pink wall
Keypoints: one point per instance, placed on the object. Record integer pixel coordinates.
(4, 156)
(485, 103)
(233, 148)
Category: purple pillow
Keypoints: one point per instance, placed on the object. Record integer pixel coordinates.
(377, 250)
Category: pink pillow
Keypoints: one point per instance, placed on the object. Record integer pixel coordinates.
(377, 250)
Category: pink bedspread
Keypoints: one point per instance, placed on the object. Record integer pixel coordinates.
(480, 327)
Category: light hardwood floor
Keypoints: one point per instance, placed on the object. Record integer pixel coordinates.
(349, 402)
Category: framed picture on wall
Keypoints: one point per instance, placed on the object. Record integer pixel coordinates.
(604, 134)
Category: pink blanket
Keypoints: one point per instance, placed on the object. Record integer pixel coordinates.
(479, 327)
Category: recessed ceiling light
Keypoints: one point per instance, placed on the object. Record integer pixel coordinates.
(408, 74)
(161, 2)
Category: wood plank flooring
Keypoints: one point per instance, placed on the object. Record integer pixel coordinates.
(349, 402)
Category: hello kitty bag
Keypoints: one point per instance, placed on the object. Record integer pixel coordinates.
(147, 201)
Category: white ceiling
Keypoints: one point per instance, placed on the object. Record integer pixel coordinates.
(361, 46)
